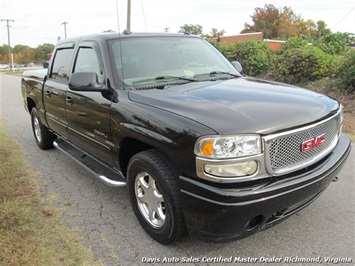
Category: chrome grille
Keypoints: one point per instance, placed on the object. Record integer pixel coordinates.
(284, 151)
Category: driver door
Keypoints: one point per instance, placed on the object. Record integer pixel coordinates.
(88, 113)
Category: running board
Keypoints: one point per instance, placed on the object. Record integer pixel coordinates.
(100, 171)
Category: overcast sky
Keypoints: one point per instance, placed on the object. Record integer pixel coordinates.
(39, 21)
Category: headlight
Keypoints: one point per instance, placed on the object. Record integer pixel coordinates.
(232, 170)
(222, 147)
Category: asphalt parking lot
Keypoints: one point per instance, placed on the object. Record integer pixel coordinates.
(323, 233)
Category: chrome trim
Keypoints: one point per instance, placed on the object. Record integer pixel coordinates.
(267, 140)
(291, 132)
(104, 179)
(264, 168)
(260, 173)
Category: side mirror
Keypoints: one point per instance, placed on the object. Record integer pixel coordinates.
(85, 81)
(237, 66)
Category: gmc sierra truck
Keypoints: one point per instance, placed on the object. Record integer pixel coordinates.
(201, 148)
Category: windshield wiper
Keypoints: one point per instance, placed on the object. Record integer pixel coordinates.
(212, 75)
(163, 78)
(225, 73)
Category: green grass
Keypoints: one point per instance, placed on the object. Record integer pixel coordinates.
(32, 231)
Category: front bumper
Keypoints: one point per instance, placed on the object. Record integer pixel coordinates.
(220, 214)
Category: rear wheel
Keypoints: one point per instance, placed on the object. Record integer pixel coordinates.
(44, 138)
(155, 196)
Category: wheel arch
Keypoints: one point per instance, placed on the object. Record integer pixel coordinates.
(128, 148)
(30, 104)
(131, 146)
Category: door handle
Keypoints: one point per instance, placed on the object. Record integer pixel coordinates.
(48, 93)
(70, 99)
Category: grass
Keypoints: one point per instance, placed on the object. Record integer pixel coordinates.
(32, 231)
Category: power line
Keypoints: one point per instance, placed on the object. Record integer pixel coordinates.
(343, 18)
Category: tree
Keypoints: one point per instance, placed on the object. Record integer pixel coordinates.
(307, 30)
(42, 51)
(265, 20)
(284, 23)
(288, 23)
(4, 54)
(191, 29)
(216, 33)
(322, 29)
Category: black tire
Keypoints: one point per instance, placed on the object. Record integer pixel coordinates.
(153, 184)
(44, 138)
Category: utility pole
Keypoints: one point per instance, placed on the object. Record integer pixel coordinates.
(129, 15)
(8, 39)
(65, 28)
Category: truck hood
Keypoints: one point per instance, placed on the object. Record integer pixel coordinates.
(242, 105)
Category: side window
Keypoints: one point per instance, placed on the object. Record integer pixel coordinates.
(87, 61)
(61, 65)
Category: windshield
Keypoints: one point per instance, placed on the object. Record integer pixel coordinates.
(151, 59)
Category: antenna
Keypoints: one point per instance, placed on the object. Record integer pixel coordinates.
(65, 28)
(118, 18)
(145, 21)
(128, 15)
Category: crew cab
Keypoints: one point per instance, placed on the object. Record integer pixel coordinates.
(201, 148)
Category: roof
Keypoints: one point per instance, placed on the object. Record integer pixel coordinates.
(113, 35)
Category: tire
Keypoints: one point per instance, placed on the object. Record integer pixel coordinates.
(44, 138)
(155, 196)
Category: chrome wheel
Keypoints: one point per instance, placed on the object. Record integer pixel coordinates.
(150, 201)
(37, 129)
(154, 192)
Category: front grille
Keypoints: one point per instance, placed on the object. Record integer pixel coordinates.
(284, 151)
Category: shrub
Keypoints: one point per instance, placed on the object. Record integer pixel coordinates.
(229, 51)
(292, 44)
(307, 63)
(346, 71)
(336, 43)
(255, 57)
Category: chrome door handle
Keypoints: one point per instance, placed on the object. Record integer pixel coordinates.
(70, 99)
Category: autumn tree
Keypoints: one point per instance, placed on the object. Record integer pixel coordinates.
(284, 23)
(4, 54)
(307, 30)
(265, 20)
(288, 23)
(23, 54)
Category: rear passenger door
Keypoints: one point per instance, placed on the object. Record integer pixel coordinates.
(55, 87)
(88, 113)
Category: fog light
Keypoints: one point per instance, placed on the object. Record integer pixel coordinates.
(232, 170)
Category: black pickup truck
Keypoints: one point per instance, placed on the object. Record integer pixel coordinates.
(201, 148)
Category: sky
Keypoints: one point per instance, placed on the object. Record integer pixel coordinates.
(40, 21)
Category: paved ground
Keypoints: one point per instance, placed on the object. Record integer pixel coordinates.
(105, 218)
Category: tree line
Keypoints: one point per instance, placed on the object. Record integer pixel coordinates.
(23, 54)
(275, 23)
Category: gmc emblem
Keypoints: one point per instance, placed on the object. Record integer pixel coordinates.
(312, 143)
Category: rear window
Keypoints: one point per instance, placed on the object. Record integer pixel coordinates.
(61, 65)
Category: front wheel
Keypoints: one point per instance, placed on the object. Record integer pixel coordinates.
(155, 196)
(44, 138)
